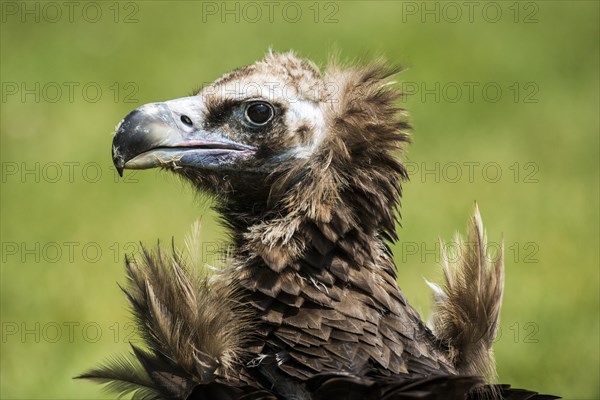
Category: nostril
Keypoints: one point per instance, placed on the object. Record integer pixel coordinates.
(187, 120)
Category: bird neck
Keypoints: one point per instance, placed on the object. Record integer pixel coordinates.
(314, 283)
(318, 258)
(318, 272)
(326, 228)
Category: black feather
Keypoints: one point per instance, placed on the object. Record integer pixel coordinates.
(124, 375)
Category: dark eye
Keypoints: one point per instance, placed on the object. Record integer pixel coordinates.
(259, 113)
(186, 120)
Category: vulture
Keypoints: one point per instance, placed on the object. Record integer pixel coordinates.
(306, 172)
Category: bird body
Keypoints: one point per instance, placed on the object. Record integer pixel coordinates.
(305, 171)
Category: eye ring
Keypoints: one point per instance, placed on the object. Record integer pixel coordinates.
(259, 113)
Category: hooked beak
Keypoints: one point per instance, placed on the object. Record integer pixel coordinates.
(170, 134)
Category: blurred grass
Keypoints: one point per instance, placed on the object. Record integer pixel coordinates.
(550, 330)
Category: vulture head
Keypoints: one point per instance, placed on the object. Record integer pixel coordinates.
(274, 135)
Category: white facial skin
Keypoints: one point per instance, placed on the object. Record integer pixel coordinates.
(302, 104)
(306, 113)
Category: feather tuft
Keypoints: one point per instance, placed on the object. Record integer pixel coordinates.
(466, 314)
(195, 328)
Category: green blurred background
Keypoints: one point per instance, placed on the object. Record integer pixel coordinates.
(69, 73)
